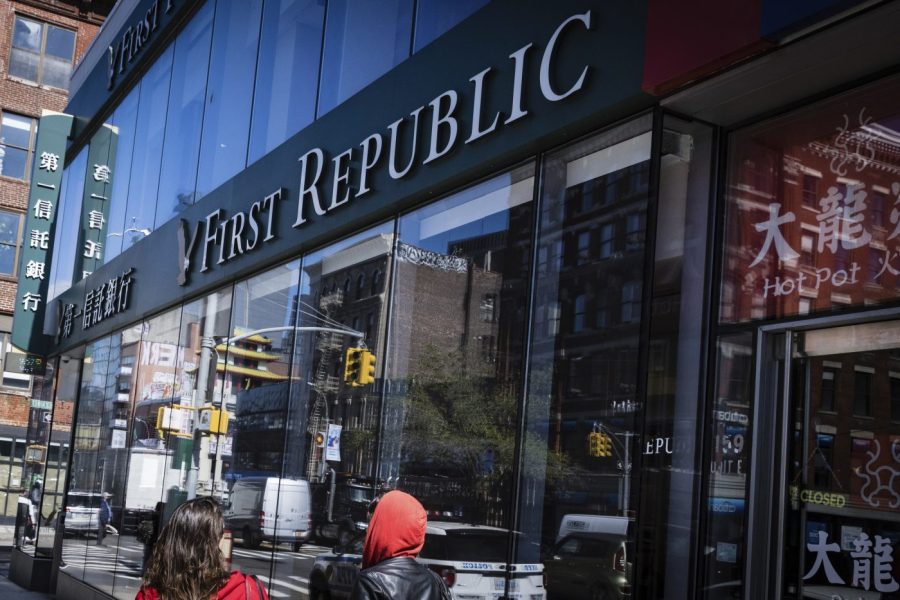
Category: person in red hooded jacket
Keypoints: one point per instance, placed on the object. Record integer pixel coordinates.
(187, 564)
(394, 538)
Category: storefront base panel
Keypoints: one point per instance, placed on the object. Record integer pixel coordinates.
(30, 572)
(69, 588)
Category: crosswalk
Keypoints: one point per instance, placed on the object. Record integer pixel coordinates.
(124, 562)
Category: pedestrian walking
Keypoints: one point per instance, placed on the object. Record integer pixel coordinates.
(187, 563)
(394, 538)
(104, 517)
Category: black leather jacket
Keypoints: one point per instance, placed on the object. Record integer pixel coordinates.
(400, 578)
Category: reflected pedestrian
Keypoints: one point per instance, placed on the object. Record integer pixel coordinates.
(148, 531)
(104, 517)
(187, 563)
(394, 538)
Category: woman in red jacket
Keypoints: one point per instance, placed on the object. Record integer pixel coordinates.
(187, 564)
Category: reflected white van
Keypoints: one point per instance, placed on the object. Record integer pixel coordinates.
(611, 524)
(269, 509)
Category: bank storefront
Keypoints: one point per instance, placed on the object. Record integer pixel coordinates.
(617, 346)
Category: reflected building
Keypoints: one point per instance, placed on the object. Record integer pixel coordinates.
(636, 319)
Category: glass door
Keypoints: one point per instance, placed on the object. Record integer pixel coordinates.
(841, 525)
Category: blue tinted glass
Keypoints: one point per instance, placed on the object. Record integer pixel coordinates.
(187, 92)
(60, 43)
(289, 53)
(68, 224)
(363, 40)
(151, 123)
(226, 124)
(124, 119)
(435, 17)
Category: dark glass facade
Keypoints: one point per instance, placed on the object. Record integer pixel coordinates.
(614, 350)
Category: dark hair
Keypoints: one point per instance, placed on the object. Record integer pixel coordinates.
(186, 563)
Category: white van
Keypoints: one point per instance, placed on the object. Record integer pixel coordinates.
(269, 508)
(611, 524)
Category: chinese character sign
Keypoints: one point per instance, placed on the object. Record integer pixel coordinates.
(37, 242)
(95, 202)
(871, 563)
(812, 218)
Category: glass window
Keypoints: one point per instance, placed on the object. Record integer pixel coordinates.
(895, 396)
(187, 94)
(829, 387)
(676, 358)
(800, 176)
(68, 224)
(143, 184)
(229, 93)
(727, 487)
(455, 382)
(17, 135)
(862, 399)
(363, 40)
(434, 17)
(287, 72)
(578, 316)
(124, 118)
(254, 367)
(58, 455)
(323, 401)
(150, 375)
(10, 236)
(41, 53)
(581, 425)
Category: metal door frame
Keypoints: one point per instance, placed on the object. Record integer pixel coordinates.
(764, 559)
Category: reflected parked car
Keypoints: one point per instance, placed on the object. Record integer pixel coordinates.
(82, 513)
(589, 566)
(334, 573)
(471, 559)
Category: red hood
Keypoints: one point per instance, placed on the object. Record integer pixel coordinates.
(234, 589)
(397, 529)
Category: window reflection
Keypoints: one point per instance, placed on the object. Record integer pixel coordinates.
(253, 369)
(149, 129)
(363, 40)
(187, 94)
(229, 94)
(333, 424)
(582, 405)
(124, 118)
(68, 224)
(728, 468)
(286, 72)
(453, 390)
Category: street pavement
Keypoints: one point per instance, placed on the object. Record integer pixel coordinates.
(8, 589)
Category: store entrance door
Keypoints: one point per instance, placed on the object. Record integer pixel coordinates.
(838, 516)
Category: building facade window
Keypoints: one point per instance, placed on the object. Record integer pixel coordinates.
(10, 234)
(41, 53)
(829, 385)
(17, 134)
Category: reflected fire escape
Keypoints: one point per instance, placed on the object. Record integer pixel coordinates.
(328, 345)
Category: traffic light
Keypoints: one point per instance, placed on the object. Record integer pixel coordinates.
(353, 366)
(367, 368)
(594, 443)
(605, 445)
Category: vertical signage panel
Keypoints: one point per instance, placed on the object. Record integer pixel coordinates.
(40, 229)
(95, 202)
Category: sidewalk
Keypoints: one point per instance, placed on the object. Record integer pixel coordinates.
(10, 591)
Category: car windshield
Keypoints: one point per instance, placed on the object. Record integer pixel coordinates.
(466, 545)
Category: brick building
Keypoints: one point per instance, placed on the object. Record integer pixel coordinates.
(40, 42)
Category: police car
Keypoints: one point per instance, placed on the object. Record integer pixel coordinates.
(469, 558)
